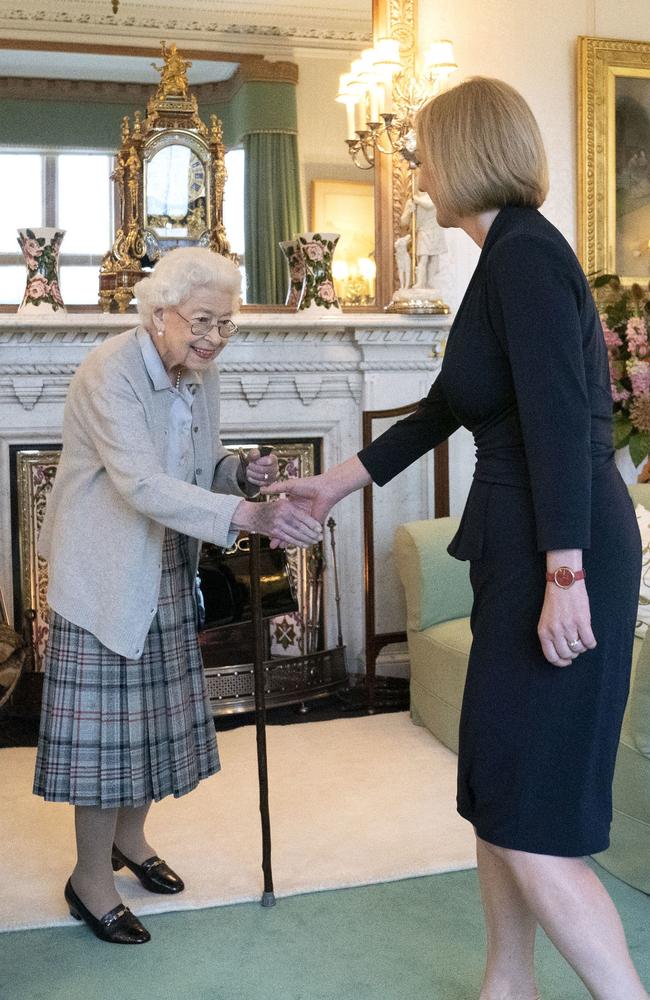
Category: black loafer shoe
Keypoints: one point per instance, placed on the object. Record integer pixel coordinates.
(154, 874)
(118, 926)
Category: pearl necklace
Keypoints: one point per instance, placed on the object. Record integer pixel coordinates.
(178, 378)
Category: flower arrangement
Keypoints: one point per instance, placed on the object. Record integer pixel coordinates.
(625, 315)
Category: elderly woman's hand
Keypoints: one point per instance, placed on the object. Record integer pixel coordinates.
(286, 522)
(261, 470)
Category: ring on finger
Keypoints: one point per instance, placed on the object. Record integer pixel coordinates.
(573, 643)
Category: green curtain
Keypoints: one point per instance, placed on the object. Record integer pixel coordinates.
(272, 210)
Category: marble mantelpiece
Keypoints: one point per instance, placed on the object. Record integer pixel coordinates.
(283, 376)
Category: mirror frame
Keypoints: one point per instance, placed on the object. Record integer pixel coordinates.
(396, 18)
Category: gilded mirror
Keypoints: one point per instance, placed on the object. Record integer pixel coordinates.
(103, 82)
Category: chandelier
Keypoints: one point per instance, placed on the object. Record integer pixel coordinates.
(382, 96)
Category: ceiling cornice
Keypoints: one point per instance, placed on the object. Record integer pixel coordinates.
(250, 25)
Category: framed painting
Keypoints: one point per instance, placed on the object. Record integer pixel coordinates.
(614, 158)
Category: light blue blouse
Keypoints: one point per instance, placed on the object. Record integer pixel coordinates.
(180, 462)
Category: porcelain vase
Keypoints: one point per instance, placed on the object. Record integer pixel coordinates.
(296, 264)
(318, 294)
(40, 248)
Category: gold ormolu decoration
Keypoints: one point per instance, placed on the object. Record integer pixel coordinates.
(172, 120)
(173, 74)
(116, 6)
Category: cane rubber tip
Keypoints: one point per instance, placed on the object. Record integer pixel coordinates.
(268, 899)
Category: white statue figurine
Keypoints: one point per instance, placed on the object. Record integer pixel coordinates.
(430, 238)
(403, 260)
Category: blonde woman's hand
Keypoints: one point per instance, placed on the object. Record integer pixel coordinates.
(564, 627)
(317, 494)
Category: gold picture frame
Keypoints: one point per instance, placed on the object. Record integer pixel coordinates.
(614, 157)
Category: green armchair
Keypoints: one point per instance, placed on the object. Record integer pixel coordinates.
(438, 603)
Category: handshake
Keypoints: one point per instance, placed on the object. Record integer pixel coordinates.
(297, 518)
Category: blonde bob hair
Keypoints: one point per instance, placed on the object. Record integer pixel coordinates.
(482, 149)
(180, 273)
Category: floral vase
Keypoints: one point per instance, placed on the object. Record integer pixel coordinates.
(40, 249)
(296, 264)
(318, 290)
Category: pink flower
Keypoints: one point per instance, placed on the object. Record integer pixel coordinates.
(639, 374)
(38, 287)
(55, 292)
(619, 395)
(611, 339)
(32, 248)
(636, 335)
(314, 251)
(326, 291)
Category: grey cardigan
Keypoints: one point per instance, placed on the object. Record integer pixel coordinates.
(105, 521)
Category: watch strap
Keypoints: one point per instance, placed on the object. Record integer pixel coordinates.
(564, 577)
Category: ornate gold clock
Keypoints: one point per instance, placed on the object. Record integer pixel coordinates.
(170, 175)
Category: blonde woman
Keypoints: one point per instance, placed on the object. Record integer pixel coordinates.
(551, 538)
(143, 477)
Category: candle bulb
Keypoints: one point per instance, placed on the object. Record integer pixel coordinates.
(360, 116)
(350, 107)
(374, 102)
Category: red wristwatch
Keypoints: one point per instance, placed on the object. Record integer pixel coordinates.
(564, 577)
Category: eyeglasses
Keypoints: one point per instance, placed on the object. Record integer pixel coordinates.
(203, 326)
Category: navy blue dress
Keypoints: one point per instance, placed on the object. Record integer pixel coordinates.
(525, 370)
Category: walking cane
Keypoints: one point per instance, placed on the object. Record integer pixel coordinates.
(268, 896)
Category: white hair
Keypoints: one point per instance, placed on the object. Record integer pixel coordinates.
(179, 273)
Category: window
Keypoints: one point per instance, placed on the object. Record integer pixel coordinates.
(72, 191)
(233, 208)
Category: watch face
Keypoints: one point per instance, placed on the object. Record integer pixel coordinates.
(564, 576)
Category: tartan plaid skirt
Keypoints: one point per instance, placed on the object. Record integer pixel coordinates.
(118, 732)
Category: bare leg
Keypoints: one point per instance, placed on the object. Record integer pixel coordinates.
(573, 907)
(510, 930)
(129, 834)
(92, 878)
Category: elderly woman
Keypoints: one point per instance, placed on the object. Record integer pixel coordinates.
(143, 478)
(551, 538)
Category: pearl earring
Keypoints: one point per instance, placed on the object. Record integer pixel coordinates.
(160, 332)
